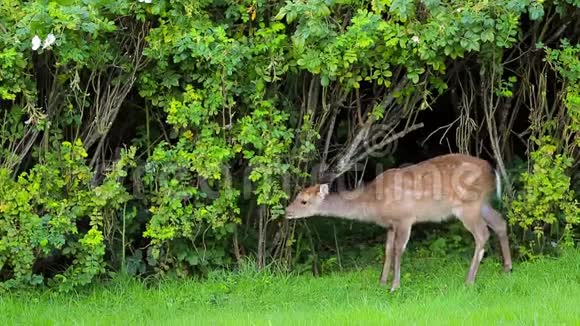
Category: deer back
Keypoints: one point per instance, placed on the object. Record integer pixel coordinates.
(432, 189)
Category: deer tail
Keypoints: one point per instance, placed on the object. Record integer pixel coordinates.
(497, 184)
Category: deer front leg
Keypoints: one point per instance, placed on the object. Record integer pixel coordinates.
(402, 233)
(389, 246)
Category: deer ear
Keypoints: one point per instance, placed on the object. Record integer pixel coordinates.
(323, 190)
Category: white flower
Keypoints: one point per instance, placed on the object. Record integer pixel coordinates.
(415, 39)
(50, 38)
(145, 1)
(36, 42)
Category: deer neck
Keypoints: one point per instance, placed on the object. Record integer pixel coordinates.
(351, 205)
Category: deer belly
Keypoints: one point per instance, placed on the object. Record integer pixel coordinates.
(435, 211)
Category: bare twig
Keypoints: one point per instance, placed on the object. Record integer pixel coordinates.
(388, 140)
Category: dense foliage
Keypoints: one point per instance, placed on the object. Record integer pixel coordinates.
(167, 136)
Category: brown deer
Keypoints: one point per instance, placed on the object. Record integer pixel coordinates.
(431, 191)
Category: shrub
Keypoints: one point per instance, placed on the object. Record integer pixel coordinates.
(53, 213)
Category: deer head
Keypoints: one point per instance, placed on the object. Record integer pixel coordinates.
(307, 202)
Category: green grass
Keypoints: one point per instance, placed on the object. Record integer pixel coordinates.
(545, 292)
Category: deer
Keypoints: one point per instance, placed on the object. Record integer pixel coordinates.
(435, 190)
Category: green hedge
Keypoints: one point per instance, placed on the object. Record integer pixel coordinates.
(167, 137)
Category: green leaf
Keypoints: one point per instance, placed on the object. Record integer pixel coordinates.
(487, 36)
(324, 81)
(536, 11)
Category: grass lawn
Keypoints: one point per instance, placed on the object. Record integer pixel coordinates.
(546, 292)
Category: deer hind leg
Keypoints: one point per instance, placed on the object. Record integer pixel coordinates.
(389, 246)
(402, 233)
(473, 222)
(495, 221)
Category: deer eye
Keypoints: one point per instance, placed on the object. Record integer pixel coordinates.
(304, 202)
